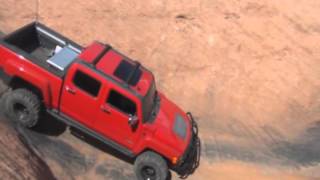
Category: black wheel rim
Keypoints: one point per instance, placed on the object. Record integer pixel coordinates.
(148, 173)
(21, 111)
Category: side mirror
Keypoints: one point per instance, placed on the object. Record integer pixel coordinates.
(133, 120)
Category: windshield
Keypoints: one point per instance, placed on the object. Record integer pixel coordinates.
(149, 103)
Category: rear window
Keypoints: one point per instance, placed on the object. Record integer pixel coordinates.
(124, 70)
(87, 83)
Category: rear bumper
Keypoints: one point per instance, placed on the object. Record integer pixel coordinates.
(190, 160)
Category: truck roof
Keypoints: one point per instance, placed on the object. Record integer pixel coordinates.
(117, 66)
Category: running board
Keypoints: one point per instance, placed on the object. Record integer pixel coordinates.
(72, 123)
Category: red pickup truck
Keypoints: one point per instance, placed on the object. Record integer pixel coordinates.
(101, 92)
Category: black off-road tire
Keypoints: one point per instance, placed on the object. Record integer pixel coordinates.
(152, 165)
(24, 107)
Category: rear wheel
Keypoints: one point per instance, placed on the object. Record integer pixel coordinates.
(24, 107)
(151, 166)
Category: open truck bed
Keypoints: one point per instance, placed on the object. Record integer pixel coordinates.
(43, 47)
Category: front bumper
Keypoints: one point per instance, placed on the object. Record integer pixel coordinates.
(190, 160)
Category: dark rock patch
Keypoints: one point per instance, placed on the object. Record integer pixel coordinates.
(113, 171)
(220, 151)
(304, 151)
(68, 158)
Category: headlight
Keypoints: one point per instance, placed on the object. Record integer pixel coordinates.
(180, 127)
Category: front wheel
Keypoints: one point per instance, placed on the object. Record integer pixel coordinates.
(151, 166)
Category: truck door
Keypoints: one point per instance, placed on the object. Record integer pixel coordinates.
(80, 94)
(113, 119)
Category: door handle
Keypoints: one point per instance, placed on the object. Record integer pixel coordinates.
(105, 109)
(70, 90)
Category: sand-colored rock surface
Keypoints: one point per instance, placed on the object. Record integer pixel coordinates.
(249, 71)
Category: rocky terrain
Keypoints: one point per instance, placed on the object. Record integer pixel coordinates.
(248, 70)
(18, 160)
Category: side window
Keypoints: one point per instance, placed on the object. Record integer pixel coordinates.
(87, 83)
(121, 102)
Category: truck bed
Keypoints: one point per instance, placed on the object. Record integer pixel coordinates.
(39, 44)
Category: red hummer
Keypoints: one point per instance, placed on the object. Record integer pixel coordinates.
(100, 92)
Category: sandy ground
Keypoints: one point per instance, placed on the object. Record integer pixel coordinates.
(249, 70)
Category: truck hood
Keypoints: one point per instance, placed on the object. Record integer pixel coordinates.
(172, 125)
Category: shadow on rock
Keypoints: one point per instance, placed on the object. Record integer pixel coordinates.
(16, 153)
(69, 159)
(110, 170)
(304, 151)
(220, 151)
(48, 125)
(100, 145)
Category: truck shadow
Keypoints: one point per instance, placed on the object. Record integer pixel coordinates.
(105, 148)
(100, 145)
(48, 125)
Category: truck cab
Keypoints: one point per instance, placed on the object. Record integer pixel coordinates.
(101, 92)
(117, 95)
(117, 98)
